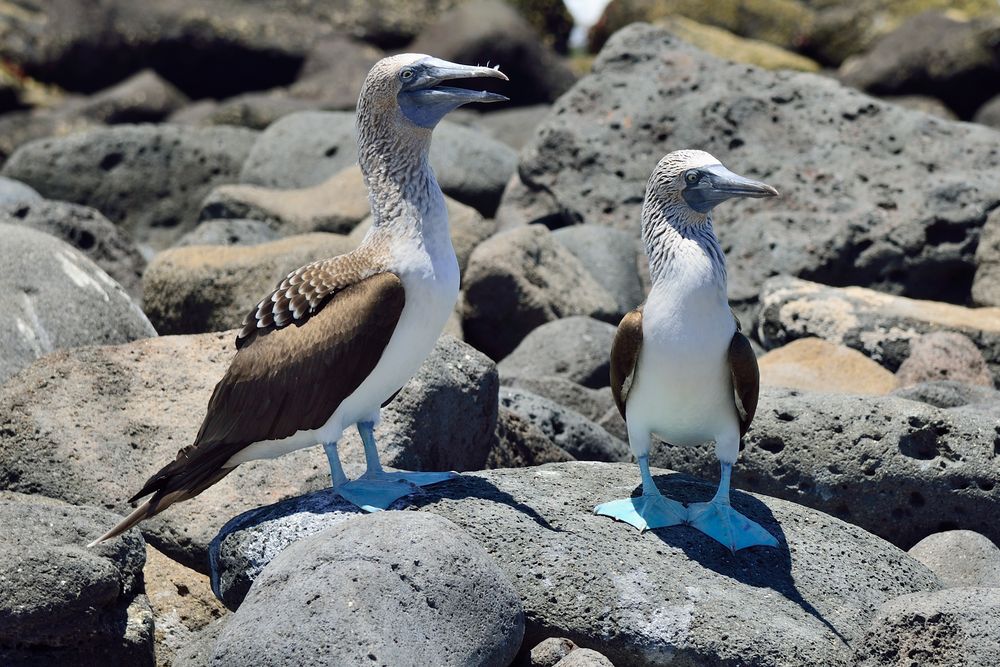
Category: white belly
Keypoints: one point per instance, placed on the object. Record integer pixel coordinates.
(431, 290)
(682, 389)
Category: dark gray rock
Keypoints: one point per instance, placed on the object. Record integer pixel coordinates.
(881, 326)
(944, 355)
(900, 469)
(986, 284)
(660, 598)
(960, 558)
(150, 179)
(575, 348)
(390, 587)
(574, 433)
(142, 98)
(521, 444)
(58, 299)
(304, 149)
(591, 403)
(61, 602)
(16, 192)
(88, 231)
(857, 205)
(933, 54)
(520, 279)
(492, 31)
(611, 256)
(956, 626)
(198, 653)
(989, 113)
(522, 206)
(229, 231)
(514, 127)
(947, 394)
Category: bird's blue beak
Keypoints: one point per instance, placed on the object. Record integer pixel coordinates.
(707, 187)
(424, 101)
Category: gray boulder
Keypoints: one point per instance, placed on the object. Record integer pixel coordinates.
(591, 403)
(58, 299)
(198, 652)
(514, 127)
(956, 626)
(989, 113)
(550, 651)
(84, 228)
(147, 178)
(611, 256)
(584, 657)
(493, 31)
(571, 431)
(575, 348)
(960, 558)
(62, 603)
(334, 71)
(944, 355)
(228, 231)
(880, 325)
(857, 207)
(900, 469)
(470, 167)
(391, 588)
(661, 598)
(986, 284)
(15, 192)
(144, 97)
(948, 394)
(520, 279)
(520, 444)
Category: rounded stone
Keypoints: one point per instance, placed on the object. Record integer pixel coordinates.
(960, 558)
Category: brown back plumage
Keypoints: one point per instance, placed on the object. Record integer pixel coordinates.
(315, 365)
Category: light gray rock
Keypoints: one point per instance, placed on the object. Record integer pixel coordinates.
(575, 348)
(956, 626)
(591, 403)
(584, 657)
(57, 299)
(16, 192)
(149, 179)
(960, 558)
(900, 469)
(520, 279)
(665, 597)
(577, 435)
(514, 127)
(390, 588)
(228, 231)
(61, 602)
(989, 113)
(550, 651)
(881, 326)
(611, 256)
(88, 231)
(986, 284)
(948, 394)
(144, 97)
(857, 205)
(469, 167)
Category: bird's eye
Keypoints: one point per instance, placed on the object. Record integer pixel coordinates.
(691, 177)
(406, 74)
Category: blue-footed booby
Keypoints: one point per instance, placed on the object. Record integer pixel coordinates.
(680, 368)
(338, 338)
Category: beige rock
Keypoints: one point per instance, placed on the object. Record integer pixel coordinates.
(182, 602)
(337, 204)
(724, 44)
(195, 289)
(813, 364)
(944, 355)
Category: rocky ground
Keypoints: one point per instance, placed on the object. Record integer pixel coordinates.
(147, 203)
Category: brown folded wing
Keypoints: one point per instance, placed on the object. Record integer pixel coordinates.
(624, 356)
(746, 380)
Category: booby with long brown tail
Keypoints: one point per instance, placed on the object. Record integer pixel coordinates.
(338, 338)
(680, 368)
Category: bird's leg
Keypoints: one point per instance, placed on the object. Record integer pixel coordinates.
(650, 510)
(721, 522)
(366, 429)
(375, 490)
(336, 469)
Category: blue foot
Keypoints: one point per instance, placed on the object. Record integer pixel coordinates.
(646, 512)
(375, 494)
(722, 523)
(420, 478)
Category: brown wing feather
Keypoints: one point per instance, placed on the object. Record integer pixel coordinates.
(746, 380)
(281, 381)
(624, 356)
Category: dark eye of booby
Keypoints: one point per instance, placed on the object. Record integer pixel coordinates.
(406, 74)
(691, 177)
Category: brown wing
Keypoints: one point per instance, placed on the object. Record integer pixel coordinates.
(746, 380)
(624, 356)
(282, 380)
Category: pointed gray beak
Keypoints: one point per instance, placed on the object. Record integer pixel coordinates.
(717, 184)
(436, 71)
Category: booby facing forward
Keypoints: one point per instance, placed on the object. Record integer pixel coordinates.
(680, 368)
(338, 338)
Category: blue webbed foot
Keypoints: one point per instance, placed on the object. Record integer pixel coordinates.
(421, 478)
(721, 522)
(374, 494)
(646, 512)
